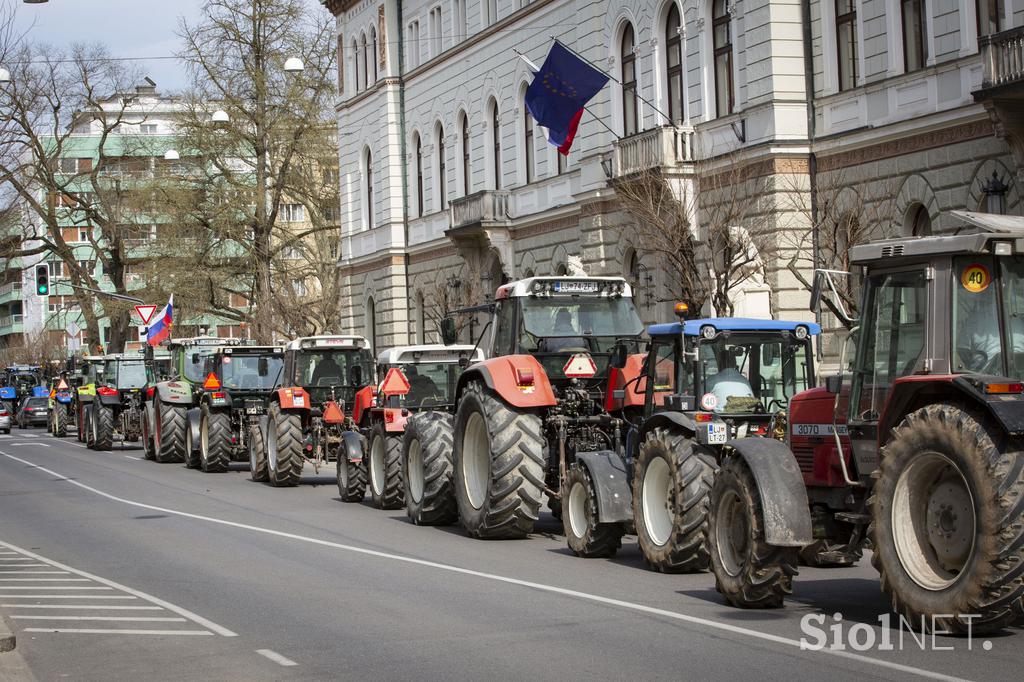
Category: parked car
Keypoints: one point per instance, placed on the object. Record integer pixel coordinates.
(33, 412)
(6, 421)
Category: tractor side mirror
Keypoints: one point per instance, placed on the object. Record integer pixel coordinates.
(833, 383)
(448, 333)
(357, 375)
(619, 355)
(195, 358)
(819, 280)
(463, 362)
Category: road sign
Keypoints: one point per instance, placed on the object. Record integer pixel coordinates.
(73, 329)
(143, 332)
(395, 383)
(580, 366)
(145, 312)
(62, 385)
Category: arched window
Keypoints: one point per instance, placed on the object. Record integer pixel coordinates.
(421, 322)
(355, 65)
(919, 223)
(721, 27)
(632, 269)
(465, 155)
(373, 54)
(368, 189)
(528, 145)
(561, 270)
(915, 47)
(628, 60)
(441, 168)
(417, 150)
(674, 64)
(990, 16)
(341, 64)
(495, 146)
(371, 323)
(846, 43)
(366, 59)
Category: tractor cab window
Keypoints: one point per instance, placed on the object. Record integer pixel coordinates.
(250, 372)
(977, 340)
(1012, 281)
(505, 327)
(663, 365)
(130, 375)
(430, 383)
(194, 362)
(893, 339)
(564, 325)
(748, 373)
(331, 367)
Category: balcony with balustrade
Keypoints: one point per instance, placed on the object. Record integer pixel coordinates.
(12, 324)
(10, 292)
(1002, 87)
(668, 148)
(480, 223)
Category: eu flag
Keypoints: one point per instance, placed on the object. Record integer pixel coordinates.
(559, 91)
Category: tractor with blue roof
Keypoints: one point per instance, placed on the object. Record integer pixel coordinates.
(705, 389)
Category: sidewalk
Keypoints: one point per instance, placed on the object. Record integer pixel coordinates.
(12, 665)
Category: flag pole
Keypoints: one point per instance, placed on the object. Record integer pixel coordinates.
(536, 68)
(611, 77)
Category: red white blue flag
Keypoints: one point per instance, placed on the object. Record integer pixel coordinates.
(160, 328)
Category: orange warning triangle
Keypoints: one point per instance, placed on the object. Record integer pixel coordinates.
(212, 383)
(395, 383)
(62, 385)
(332, 413)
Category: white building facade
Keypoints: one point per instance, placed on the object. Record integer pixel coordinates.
(867, 106)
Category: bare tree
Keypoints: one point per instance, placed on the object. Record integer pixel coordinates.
(454, 291)
(262, 158)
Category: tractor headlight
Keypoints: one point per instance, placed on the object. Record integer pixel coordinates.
(708, 332)
(800, 332)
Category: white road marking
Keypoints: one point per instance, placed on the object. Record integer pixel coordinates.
(24, 566)
(195, 618)
(34, 572)
(66, 596)
(98, 607)
(542, 587)
(49, 580)
(32, 445)
(21, 558)
(131, 457)
(276, 657)
(55, 587)
(148, 619)
(27, 435)
(107, 631)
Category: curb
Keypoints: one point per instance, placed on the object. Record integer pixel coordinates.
(8, 641)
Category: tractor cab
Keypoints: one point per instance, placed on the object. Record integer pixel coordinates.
(570, 325)
(238, 373)
(328, 367)
(124, 373)
(736, 373)
(189, 356)
(432, 372)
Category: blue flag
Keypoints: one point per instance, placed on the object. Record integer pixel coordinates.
(560, 91)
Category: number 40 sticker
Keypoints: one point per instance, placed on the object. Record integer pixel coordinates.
(975, 278)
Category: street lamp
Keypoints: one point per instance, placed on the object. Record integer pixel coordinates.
(171, 155)
(220, 116)
(5, 76)
(294, 65)
(995, 194)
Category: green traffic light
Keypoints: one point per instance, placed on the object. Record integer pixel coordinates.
(43, 289)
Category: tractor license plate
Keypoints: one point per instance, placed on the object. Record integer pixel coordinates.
(819, 430)
(254, 410)
(718, 434)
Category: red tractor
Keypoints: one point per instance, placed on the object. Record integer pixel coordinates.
(933, 405)
(540, 397)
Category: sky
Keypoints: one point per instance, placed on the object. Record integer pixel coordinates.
(129, 28)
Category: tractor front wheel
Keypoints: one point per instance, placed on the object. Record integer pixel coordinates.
(257, 453)
(586, 536)
(60, 421)
(385, 469)
(427, 470)
(351, 478)
(671, 486)
(499, 465)
(946, 522)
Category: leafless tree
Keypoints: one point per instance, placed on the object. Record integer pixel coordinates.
(453, 291)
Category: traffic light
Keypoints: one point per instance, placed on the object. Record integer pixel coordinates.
(43, 280)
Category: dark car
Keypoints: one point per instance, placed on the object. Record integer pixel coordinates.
(33, 412)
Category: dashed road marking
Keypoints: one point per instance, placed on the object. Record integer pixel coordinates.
(66, 596)
(134, 619)
(117, 631)
(44, 580)
(91, 607)
(540, 587)
(276, 657)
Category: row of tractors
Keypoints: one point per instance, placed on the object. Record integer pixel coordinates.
(706, 438)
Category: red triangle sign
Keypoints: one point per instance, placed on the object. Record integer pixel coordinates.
(395, 383)
(62, 386)
(145, 312)
(580, 366)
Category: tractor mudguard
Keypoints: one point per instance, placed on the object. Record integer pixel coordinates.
(293, 398)
(611, 482)
(363, 401)
(780, 485)
(192, 417)
(175, 392)
(519, 380)
(109, 400)
(352, 446)
(670, 420)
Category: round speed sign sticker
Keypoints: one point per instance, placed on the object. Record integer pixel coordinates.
(975, 278)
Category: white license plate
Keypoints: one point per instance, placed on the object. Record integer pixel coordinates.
(821, 430)
(299, 401)
(576, 287)
(718, 434)
(254, 410)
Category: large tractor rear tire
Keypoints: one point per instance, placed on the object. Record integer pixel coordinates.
(672, 482)
(749, 573)
(946, 525)
(147, 438)
(385, 469)
(427, 470)
(257, 453)
(79, 422)
(214, 440)
(284, 447)
(102, 427)
(87, 435)
(171, 424)
(351, 479)
(60, 420)
(585, 536)
(499, 465)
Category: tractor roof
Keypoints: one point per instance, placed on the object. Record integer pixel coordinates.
(730, 324)
(336, 341)
(983, 229)
(433, 352)
(246, 350)
(572, 285)
(204, 341)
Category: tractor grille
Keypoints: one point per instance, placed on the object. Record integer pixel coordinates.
(894, 250)
(804, 457)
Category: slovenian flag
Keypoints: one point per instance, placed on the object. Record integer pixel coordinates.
(559, 92)
(160, 328)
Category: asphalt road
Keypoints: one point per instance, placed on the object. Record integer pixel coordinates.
(113, 567)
